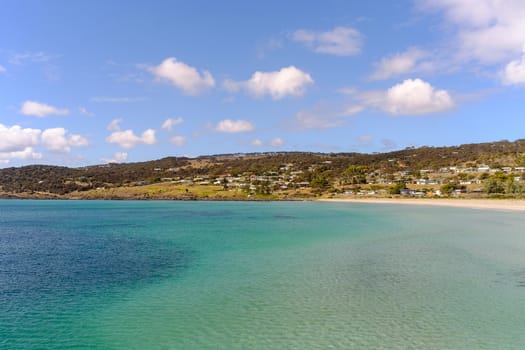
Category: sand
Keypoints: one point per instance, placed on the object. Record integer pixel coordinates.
(490, 204)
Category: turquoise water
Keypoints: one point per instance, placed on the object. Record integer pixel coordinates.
(205, 275)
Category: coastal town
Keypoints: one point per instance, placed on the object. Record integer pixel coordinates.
(422, 172)
(288, 179)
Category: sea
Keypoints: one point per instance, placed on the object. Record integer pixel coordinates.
(259, 275)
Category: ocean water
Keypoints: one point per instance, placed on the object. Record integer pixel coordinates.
(240, 275)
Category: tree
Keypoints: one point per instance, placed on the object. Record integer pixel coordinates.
(520, 160)
(497, 183)
(355, 174)
(492, 185)
(396, 189)
(319, 182)
(447, 189)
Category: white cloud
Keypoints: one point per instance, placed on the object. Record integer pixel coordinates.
(170, 123)
(276, 142)
(77, 140)
(128, 139)
(16, 142)
(38, 109)
(309, 119)
(234, 126)
(33, 57)
(324, 116)
(341, 41)
(118, 157)
(232, 86)
(488, 31)
(365, 139)
(411, 97)
(178, 140)
(257, 143)
(288, 81)
(409, 61)
(2, 69)
(114, 125)
(16, 139)
(183, 76)
(26, 153)
(55, 140)
(514, 72)
(84, 111)
(388, 144)
(107, 99)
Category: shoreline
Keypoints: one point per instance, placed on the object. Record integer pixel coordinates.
(486, 204)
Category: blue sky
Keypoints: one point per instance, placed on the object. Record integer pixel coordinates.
(89, 82)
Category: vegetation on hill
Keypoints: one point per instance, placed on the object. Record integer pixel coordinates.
(495, 168)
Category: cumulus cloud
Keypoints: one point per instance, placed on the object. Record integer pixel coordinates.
(341, 41)
(409, 61)
(38, 109)
(77, 140)
(276, 142)
(178, 140)
(324, 116)
(411, 97)
(257, 143)
(128, 139)
(17, 142)
(365, 139)
(16, 139)
(118, 157)
(288, 81)
(114, 125)
(27, 153)
(183, 76)
(514, 72)
(170, 123)
(488, 31)
(55, 140)
(84, 111)
(234, 126)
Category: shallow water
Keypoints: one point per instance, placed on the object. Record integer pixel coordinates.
(239, 275)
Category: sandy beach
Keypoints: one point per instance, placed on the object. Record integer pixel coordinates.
(490, 204)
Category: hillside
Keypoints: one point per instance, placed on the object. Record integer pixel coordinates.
(282, 175)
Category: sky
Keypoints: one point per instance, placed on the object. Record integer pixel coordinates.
(92, 82)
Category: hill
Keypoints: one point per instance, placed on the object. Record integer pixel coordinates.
(489, 168)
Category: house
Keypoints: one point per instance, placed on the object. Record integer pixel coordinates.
(426, 182)
(483, 168)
